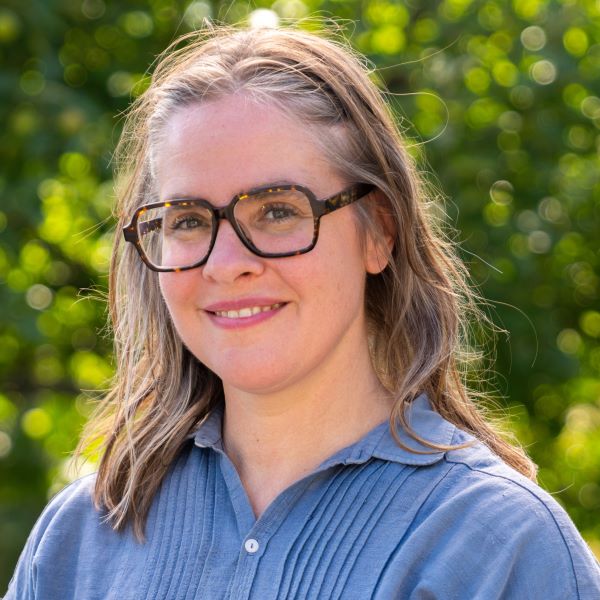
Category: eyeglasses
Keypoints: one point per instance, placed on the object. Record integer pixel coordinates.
(272, 222)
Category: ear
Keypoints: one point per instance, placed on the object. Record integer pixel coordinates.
(379, 243)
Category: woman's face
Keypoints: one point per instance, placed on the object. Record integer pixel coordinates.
(312, 305)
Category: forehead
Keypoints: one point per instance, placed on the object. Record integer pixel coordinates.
(219, 148)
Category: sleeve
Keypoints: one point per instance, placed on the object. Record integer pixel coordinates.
(492, 536)
(506, 538)
(22, 586)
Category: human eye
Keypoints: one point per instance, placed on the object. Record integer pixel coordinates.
(187, 222)
(273, 212)
(278, 212)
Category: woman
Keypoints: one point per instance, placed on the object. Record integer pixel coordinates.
(289, 418)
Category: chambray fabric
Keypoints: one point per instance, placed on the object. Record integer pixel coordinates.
(373, 521)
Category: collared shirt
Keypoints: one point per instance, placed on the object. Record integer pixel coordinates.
(373, 521)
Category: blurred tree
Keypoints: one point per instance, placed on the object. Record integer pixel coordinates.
(503, 97)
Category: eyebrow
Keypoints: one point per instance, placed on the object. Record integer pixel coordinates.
(254, 187)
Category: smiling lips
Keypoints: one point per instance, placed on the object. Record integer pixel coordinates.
(248, 311)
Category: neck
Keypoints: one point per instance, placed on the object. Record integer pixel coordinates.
(277, 438)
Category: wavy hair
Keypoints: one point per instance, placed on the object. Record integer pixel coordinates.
(420, 309)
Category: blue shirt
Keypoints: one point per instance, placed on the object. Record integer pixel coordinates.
(373, 521)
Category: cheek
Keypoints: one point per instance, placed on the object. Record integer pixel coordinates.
(342, 255)
(178, 291)
(337, 281)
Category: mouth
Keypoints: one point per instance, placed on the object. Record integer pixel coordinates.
(248, 311)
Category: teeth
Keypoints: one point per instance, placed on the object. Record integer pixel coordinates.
(246, 312)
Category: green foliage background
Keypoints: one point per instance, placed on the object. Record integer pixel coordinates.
(504, 93)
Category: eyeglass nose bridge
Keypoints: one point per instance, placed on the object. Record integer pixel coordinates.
(226, 213)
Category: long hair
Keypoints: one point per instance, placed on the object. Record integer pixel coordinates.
(420, 308)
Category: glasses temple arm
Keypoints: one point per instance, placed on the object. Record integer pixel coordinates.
(348, 196)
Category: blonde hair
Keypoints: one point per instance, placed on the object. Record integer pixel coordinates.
(419, 309)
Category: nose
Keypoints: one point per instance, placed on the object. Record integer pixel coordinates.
(230, 259)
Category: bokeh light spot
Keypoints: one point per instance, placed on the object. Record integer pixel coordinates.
(579, 137)
(93, 9)
(71, 120)
(8, 411)
(569, 341)
(575, 41)
(48, 369)
(518, 245)
(590, 107)
(137, 24)
(528, 221)
(543, 72)
(39, 296)
(477, 80)
(383, 12)
(36, 423)
(34, 257)
(10, 26)
(120, 83)
(505, 73)
(388, 39)
(590, 323)
(89, 369)
(18, 280)
(574, 94)
(425, 30)
(539, 242)
(509, 141)
(290, 9)
(501, 192)
(510, 121)
(32, 82)
(550, 209)
(195, 14)
(74, 164)
(5, 444)
(75, 75)
(263, 17)
(496, 214)
(582, 418)
(483, 112)
(528, 9)
(522, 96)
(57, 273)
(101, 253)
(533, 38)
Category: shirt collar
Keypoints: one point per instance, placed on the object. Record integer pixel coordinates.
(377, 443)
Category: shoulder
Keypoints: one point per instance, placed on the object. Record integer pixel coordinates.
(78, 494)
(73, 503)
(70, 510)
(477, 476)
(67, 514)
(492, 509)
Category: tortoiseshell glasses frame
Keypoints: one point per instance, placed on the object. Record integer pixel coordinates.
(320, 208)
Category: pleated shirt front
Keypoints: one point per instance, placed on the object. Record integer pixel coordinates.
(373, 521)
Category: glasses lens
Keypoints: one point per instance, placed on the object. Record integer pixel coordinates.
(277, 221)
(175, 236)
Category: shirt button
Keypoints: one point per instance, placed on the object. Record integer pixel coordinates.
(251, 545)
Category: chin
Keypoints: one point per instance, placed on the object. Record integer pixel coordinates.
(251, 370)
(253, 382)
